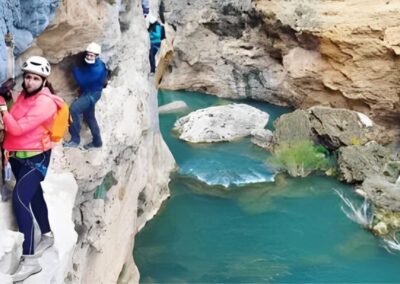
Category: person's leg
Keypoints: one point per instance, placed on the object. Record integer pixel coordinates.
(152, 57)
(38, 204)
(25, 188)
(79, 106)
(90, 117)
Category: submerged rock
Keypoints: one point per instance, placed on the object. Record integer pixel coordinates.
(172, 107)
(220, 123)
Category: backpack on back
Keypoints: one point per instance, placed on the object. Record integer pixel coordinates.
(60, 122)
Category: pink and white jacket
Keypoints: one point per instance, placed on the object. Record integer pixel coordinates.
(27, 123)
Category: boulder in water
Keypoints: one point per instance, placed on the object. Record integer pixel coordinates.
(263, 138)
(341, 127)
(357, 162)
(172, 107)
(382, 193)
(220, 123)
(292, 128)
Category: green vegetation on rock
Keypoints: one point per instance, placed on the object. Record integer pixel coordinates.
(300, 159)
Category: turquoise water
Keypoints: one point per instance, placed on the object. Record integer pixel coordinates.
(286, 231)
(233, 163)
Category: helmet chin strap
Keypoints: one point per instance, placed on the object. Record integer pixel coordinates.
(90, 61)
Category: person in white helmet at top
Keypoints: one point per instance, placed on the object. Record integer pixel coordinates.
(156, 34)
(91, 78)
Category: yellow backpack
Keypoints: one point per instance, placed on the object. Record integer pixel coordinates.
(61, 121)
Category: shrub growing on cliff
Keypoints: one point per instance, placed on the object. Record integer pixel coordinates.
(300, 159)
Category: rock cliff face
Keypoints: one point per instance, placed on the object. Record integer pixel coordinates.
(291, 53)
(121, 185)
(25, 20)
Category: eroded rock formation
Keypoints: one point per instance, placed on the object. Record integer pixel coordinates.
(121, 185)
(25, 20)
(291, 53)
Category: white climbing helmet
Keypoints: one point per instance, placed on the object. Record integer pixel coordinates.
(37, 65)
(94, 48)
(151, 18)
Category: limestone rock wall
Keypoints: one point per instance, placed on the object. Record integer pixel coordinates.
(121, 185)
(299, 53)
(25, 20)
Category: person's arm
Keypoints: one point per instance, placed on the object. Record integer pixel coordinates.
(77, 76)
(43, 110)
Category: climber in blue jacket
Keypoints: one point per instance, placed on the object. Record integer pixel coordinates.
(91, 78)
(157, 34)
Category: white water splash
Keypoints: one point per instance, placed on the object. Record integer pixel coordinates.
(359, 214)
(391, 244)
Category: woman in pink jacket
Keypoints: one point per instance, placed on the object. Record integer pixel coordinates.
(27, 142)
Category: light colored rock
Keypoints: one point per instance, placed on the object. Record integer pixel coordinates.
(263, 138)
(134, 151)
(60, 189)
(10, 250)
(388, 222)
(5, 278)
(133, 161)
(349, 46)
(220, 123)
(381, 228)
(365, 120)
(173, 107)
(65, 35)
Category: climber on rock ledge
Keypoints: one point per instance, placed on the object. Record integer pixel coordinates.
(91, 77)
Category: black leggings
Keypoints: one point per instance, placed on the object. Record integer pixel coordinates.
(28, 198)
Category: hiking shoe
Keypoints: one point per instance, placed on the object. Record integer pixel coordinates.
(28, 266)
(91, 145)
(45, 243)
(71, 144)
